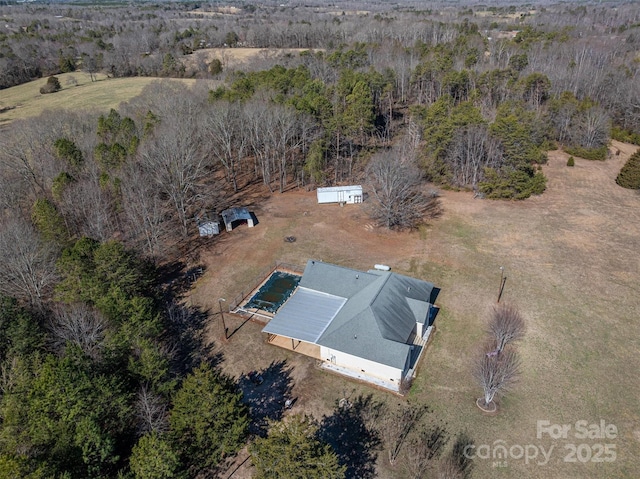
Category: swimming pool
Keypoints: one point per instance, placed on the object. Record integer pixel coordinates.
(274, 292)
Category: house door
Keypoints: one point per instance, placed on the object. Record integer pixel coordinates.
(340, 196)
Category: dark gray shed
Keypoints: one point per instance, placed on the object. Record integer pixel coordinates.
(236, 214)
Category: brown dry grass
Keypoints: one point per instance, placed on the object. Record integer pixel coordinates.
(573, 269)
(236, 57)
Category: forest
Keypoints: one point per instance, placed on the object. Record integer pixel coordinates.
(103, 367)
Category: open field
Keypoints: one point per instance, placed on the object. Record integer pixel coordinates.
(571, 257)
(24, 101)
(236, 57)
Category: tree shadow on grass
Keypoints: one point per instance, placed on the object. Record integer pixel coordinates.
(176, 279)
(350, 431)
(186, 327)
(265, 391)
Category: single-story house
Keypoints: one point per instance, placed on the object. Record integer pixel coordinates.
(369, 325)
(340, 194)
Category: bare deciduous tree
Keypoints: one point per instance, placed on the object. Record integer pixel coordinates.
(495, 372)
(144, 209)
(472, 151)
(226, 132)
(26, 148)
(79, 325)
(458, 463)
(396, 426)
(173, 158)
(27, 264)
(396, 188)
(151, 412)
(88, 208)
(591, 128)
(506, 325)
(424, 448)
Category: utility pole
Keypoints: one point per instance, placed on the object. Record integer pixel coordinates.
(224, 326)
(503, 280)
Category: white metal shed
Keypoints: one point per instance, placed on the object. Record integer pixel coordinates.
(340, 194)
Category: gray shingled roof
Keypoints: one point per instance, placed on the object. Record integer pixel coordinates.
(234, 214)
(333, 279)
(375, 322)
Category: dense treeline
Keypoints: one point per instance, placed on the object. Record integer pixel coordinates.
(569, 72)
(100, 369)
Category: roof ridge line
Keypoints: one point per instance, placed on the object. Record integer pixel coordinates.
(321, 292)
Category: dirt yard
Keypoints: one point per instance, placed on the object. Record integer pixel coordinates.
(572, 262)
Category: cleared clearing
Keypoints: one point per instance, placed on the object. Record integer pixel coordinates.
(572, 266)
(24, 101)
(236, 57)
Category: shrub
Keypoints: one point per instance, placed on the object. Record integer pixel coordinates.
(52, 86)
(599, 154)
(513, 183)
(571, 161)
(60, 184)
(215, 67)
(629, 176)
(627, 136)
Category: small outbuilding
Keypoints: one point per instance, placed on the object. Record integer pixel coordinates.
(209, 228)
(340, 194)
(232, 215)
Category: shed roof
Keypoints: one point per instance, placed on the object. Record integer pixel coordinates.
(341, 188)
(237, 213)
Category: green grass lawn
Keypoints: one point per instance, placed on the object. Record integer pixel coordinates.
(78, 92)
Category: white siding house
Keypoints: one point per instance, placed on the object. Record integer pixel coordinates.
(368, 325)
(361, 368)
(340, 194)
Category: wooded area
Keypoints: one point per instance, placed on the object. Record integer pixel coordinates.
(103, 369)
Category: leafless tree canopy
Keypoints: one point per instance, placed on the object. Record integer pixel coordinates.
(424, 449)
(397, 425)
(506, 325)
(151, 412)
(397, 198)
(145, 211)
(173, 157)
(27, 264)
(472, 151)
(80, 325)
(496, 371)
